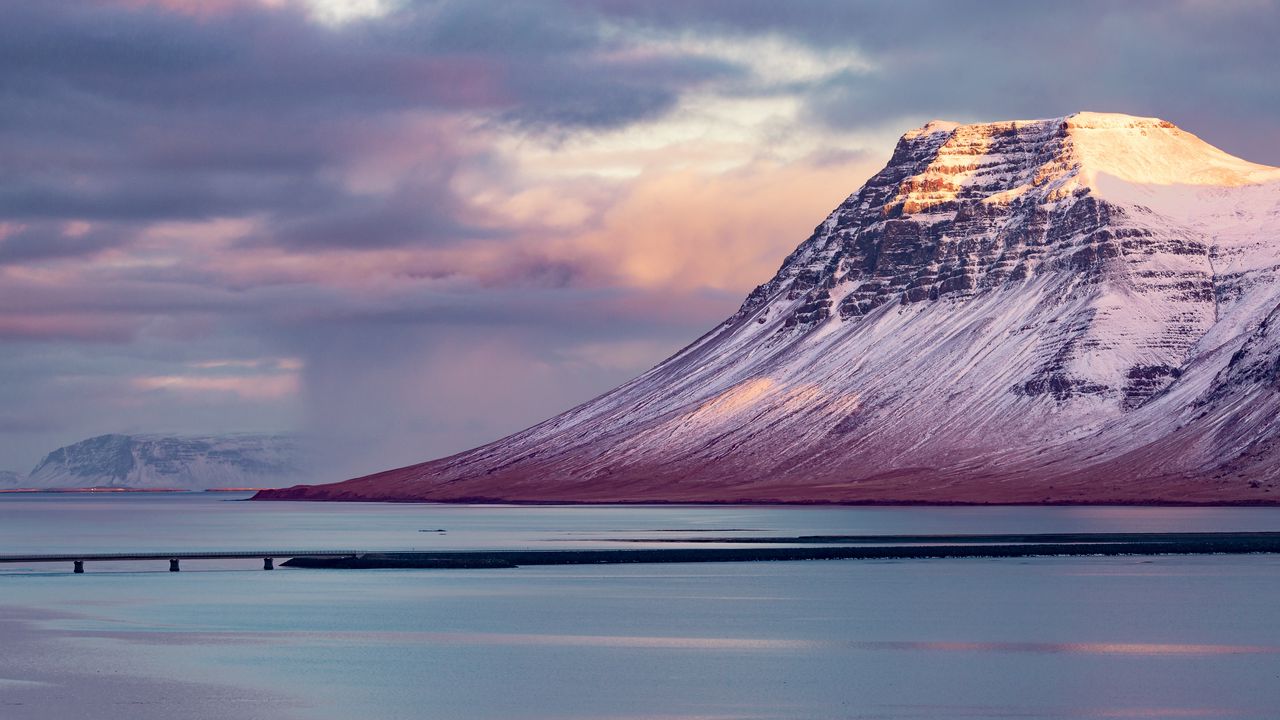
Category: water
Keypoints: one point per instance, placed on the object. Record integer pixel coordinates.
(221, 521)
(1156, 637)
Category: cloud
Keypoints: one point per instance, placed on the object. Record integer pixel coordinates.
(290, 364)
(744, 222)
(1204, 66)
(28, 242)
(414, 226)
(16, 327)
(261, 387)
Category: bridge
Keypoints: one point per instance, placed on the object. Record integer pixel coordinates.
(78, 560)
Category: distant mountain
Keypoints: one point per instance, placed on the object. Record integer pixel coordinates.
(1079, 309)
(11, 479)
(165, 461)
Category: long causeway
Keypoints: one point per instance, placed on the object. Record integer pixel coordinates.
(725, 549)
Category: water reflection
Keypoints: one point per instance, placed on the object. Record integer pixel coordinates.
(1053, 638)
(38, 523)
(1083, 648)
(171, 636)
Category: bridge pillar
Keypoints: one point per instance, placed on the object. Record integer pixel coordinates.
(268, 564)
(173, 565)
(77, 566)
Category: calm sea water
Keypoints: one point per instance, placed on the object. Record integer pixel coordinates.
(1162, 637)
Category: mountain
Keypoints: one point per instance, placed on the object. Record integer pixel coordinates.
(165, 461)
(1080, 309)
(10, 479)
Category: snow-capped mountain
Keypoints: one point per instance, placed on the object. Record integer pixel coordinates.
(1079, 309)
(10, 479)
(165, 461)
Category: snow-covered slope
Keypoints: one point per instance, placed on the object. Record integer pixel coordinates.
(161, 461)
(1080, 309)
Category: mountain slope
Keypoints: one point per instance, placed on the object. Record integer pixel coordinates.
(162, 461)
(1080, 309)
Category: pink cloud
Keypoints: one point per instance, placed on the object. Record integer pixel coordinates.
(255, 387)
(201, 9)
(83, 328)
(697, 229)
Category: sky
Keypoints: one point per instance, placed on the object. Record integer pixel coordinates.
(408, 228)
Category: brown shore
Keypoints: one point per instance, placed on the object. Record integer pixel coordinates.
(861, 547)
(282, 495)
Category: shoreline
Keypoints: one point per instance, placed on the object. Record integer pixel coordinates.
(485, 501)
(958, 546)
(1254, 502)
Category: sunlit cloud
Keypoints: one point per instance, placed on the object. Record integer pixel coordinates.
(327, 12)
(776, 63)
(337, 12)
(695, 229)
(290, 364)
(258, 387)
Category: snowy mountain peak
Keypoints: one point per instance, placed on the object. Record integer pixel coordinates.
(1079, 147)
(1150, 151)
(1072, 309)
(174, 462)
(964, 208)
(933, 127)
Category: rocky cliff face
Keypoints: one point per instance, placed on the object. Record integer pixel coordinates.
(158, 461)
(1080, 309)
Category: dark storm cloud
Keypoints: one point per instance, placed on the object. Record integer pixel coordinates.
(129, 194)
(562, 67)
(421, 210)
(274, 60)
(47, 240)
(130, 112)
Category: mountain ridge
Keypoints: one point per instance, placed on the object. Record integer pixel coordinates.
(1077, 309)
(156, 460)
